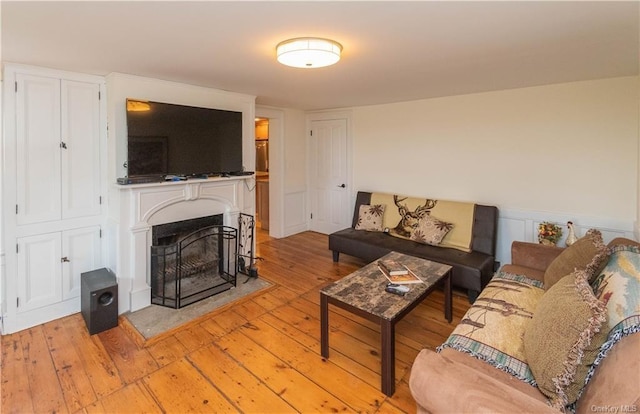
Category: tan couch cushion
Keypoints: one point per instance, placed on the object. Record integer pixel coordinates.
(564, 338)
(491, 371)
(615, 383)
(588, 253)
(452, 382)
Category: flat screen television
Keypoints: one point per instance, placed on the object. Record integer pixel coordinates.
(170, 139)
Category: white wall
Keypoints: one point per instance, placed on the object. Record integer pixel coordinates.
(556, 152)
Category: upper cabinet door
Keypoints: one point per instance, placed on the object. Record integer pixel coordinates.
(80, 149)
(38, 149)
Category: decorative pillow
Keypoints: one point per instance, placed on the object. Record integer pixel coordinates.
(430, 230)
(370, 217)
(588, 253)
(564, 337)
(618, 286)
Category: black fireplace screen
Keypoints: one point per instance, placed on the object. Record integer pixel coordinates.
(196, 267)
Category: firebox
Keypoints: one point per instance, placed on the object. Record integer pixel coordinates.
(192, 260)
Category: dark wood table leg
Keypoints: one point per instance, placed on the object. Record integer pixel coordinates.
(388, 371)
(447, 298)
(324, 325)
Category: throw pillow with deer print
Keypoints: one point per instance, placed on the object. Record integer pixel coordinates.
(403, 213)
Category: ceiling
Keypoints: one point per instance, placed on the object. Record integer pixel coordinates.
(393, 51)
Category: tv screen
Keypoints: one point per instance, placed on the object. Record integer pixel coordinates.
(166, 138)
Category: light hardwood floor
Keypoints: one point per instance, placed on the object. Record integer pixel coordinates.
(259, 355)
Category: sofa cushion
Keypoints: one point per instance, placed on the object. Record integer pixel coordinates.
(430, 230)
(611, 386)
(500, 375)
(450, 382)
(564, 337)
(370, 217)
(588, 253)
(492, 328)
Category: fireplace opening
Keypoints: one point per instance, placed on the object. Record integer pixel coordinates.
(192, 260)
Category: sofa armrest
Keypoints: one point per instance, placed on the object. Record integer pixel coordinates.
(533, 255)
(441, 385)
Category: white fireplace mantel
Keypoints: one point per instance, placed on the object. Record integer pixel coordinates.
(144, 205)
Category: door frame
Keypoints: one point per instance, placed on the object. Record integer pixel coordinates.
(276, 168)
(327, 116)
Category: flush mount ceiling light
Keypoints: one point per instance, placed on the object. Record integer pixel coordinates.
(308, 52)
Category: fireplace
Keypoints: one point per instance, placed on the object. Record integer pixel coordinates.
(192, 260)
(144, 206)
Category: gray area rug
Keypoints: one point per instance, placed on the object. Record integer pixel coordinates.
(154, 320)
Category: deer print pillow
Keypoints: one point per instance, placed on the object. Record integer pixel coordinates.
(370, 217)
(430, 230)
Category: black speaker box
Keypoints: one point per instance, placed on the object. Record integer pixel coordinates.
(99, 300)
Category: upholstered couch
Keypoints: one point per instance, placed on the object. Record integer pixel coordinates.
(472, 269)
(555, 354)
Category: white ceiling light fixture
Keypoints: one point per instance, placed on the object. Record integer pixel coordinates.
(308, 52)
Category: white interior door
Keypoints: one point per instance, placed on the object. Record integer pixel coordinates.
(329, 178)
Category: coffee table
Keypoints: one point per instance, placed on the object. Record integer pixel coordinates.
(362, 293)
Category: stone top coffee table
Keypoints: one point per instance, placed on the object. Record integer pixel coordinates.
(362, 293)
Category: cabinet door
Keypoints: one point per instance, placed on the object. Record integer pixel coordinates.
(39, 271)
(80, 153)
(81, 252)
(38, 149)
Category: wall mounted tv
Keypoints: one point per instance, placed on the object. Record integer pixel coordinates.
(166, 139)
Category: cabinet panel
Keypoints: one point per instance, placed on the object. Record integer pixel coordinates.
(80, 133)
(38, 149)
(81, 247)
(39, 271)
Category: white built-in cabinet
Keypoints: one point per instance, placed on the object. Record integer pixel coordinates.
(53, 202)
(58, 149)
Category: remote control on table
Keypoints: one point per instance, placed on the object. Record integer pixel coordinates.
(396, 289)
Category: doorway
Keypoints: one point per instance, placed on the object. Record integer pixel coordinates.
(262, 172)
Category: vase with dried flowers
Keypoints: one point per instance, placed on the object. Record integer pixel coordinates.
(549, 233)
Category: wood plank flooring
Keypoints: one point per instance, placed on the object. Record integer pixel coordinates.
(261, 355)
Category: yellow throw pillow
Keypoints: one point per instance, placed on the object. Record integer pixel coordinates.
(588, 253)
(564, 337)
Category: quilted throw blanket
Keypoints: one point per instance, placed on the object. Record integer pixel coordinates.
(492, 328)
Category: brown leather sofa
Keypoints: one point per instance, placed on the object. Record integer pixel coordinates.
(471, 270)
(451, 381)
